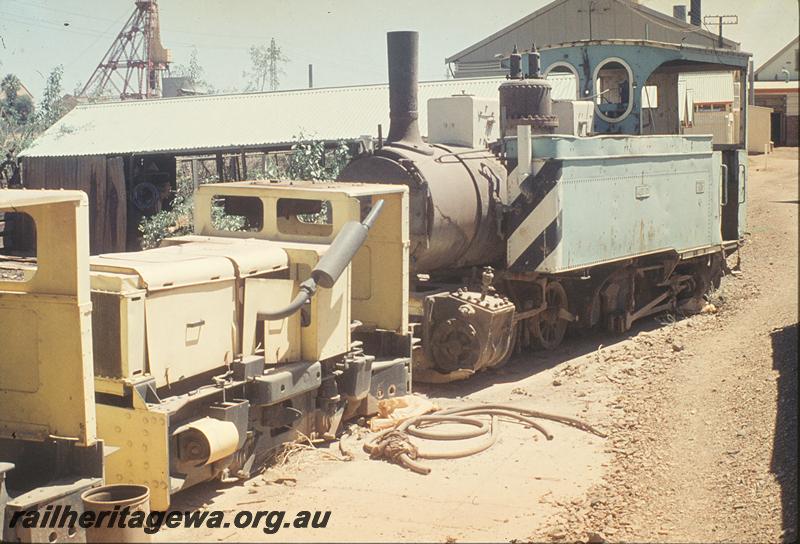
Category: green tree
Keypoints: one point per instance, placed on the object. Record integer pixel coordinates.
(265, 67)
(15, 106)
(309, 160)
(52, 107)
(194, 71)
(20, 122)
(17, 127)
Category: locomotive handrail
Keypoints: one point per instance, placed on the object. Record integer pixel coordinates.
(743, 177)
(724, 201)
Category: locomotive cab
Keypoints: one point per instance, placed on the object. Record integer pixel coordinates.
(641, 88)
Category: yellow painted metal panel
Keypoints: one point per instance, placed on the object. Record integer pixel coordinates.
(115, 282)
(20, 327)
(250, 256)
(380, 269)
(53, 306)
(282, 337)
(190, 330)
(119, 334)
(132, 334)
(362, 274)
(329, 332)
(167, 267)
(142, 456)
(61, 400)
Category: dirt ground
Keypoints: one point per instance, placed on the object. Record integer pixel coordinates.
(701, 417)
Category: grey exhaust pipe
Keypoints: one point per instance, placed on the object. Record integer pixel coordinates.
(331, 265)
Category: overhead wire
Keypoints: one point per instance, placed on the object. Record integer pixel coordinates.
(50, 8)
(109, 32)
(95, 42)
(48, 25)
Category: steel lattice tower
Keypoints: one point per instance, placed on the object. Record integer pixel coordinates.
(133, 65)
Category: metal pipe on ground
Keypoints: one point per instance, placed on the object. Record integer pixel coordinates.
(395, 445)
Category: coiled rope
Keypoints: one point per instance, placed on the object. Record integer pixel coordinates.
(395, 444)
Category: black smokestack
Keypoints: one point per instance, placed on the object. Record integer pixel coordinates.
(695, 15)
(403, 52)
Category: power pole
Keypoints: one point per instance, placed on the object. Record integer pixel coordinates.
(721, 20)
(136, 60)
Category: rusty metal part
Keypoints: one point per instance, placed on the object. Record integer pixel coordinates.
(403, 52)
(549, 326)
(526, 102)
(455, 206)
(455, 343)
(467, 330)
(395, 444)
(456, 194)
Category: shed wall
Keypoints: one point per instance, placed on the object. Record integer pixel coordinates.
(758, 128)
(101, 178)
(788, 59)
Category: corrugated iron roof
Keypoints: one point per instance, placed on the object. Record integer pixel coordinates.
(621, 21)
(709, 86)
(251, 120)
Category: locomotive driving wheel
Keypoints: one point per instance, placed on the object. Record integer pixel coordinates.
(548, 327)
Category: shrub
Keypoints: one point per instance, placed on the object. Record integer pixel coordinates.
(309, 160)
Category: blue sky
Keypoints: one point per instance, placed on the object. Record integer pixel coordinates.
(343, 39)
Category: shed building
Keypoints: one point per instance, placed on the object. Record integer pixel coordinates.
(776, 87)
(126, 155)
(568, 21)
(783, 65)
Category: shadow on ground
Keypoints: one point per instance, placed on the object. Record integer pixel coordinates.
(520, 367)
(529, 363)
(784, 451)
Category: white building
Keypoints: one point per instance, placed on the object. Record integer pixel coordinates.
(776, 87)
